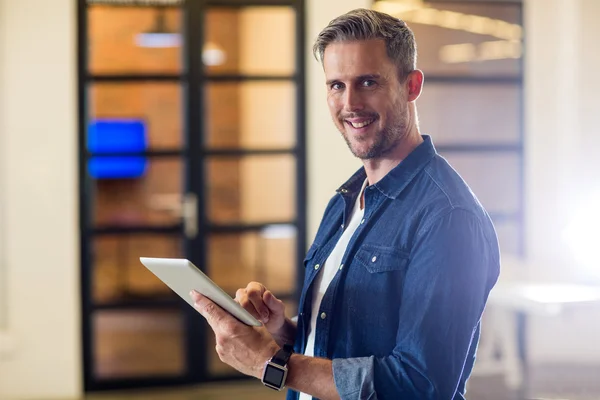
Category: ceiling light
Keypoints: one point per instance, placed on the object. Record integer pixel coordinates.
(159, 36)
(398, 6)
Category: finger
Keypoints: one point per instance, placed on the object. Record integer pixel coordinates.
(214, 315)
(239, 295)
(242, 298)
(255, 286)
(255, 295)
(276, 306)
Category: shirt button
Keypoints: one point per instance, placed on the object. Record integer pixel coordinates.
(374, 259)
(317, 266)
(341, 266)
(342, 226)
(323, 315)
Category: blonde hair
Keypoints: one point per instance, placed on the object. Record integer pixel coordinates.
(364, 24)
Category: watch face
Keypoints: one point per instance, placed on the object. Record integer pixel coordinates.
(273, 376)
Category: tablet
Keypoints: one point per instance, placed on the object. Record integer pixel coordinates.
(181, 276)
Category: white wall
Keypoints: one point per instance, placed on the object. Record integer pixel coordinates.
(38, 155)
(330, 163)
(3, 302)
(563, 138)
(38, 161)
(38, 197)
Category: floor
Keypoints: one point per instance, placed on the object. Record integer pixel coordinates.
(252, 390)
(547, 383)
(122, 351)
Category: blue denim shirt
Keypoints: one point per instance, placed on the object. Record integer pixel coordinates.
(401, 318)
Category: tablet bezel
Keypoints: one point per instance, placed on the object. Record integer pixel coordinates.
(182, 276)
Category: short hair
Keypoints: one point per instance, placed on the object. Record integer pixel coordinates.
(364, 24)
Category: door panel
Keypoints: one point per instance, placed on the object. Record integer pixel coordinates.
(252, 189)
(192, 154)
(250, 115)
(267, 256)
(250, 40)
(139, 343)
(118, 275)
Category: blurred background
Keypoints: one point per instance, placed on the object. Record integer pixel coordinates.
(199, 129)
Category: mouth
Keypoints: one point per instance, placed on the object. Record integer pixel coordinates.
(360, 123)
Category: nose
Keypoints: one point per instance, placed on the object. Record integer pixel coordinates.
(353, 100)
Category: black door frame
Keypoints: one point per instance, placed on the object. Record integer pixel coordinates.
(192, 79)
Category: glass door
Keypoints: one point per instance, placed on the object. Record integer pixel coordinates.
(134, 181)
(253, 150)
(191, 145)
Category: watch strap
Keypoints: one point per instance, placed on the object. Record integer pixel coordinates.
(283, 355)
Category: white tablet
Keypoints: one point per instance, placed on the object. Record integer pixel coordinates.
(182, 276)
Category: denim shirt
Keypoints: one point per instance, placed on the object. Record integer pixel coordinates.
(401, 318)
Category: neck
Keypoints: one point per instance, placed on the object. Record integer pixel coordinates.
(377, 168)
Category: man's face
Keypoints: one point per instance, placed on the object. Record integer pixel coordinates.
(367, 102)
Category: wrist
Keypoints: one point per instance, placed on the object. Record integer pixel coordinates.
(269, 353)
(276, 368)
(286, 334)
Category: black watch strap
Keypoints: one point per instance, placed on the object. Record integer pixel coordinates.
(283, 355)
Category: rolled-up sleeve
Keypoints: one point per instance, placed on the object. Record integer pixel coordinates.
(453, 265)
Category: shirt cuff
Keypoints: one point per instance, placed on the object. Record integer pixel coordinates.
(353, 378)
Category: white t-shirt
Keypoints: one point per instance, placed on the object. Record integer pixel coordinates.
(332, 266)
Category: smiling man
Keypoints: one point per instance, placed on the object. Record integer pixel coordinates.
(399, 272)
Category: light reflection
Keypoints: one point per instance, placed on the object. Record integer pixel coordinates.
(510, 35)
(560, 293)
(395, 7)
(469, 52)
(497, 28)
(581, 233)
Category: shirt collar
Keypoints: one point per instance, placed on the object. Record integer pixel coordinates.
(399, 177)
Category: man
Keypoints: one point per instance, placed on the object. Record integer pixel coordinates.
(400, 270)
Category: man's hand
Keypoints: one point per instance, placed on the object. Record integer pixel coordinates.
(263, 305)
(247, 348)
(243, 347)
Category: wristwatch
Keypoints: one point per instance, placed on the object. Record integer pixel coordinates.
(276, 368)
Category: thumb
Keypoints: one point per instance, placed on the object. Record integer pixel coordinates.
(275, 305)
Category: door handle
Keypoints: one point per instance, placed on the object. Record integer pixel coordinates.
(190, 215)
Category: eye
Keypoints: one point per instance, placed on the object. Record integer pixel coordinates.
(368, 83)
(336, 86)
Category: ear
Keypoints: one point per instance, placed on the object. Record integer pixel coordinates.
(414, 83)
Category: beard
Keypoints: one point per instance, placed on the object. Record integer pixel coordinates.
(385, 140)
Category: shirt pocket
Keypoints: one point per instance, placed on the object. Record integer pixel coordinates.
(378, 259)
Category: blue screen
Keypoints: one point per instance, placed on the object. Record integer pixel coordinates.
(117, 136)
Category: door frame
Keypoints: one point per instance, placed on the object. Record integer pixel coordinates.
(192, 78)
